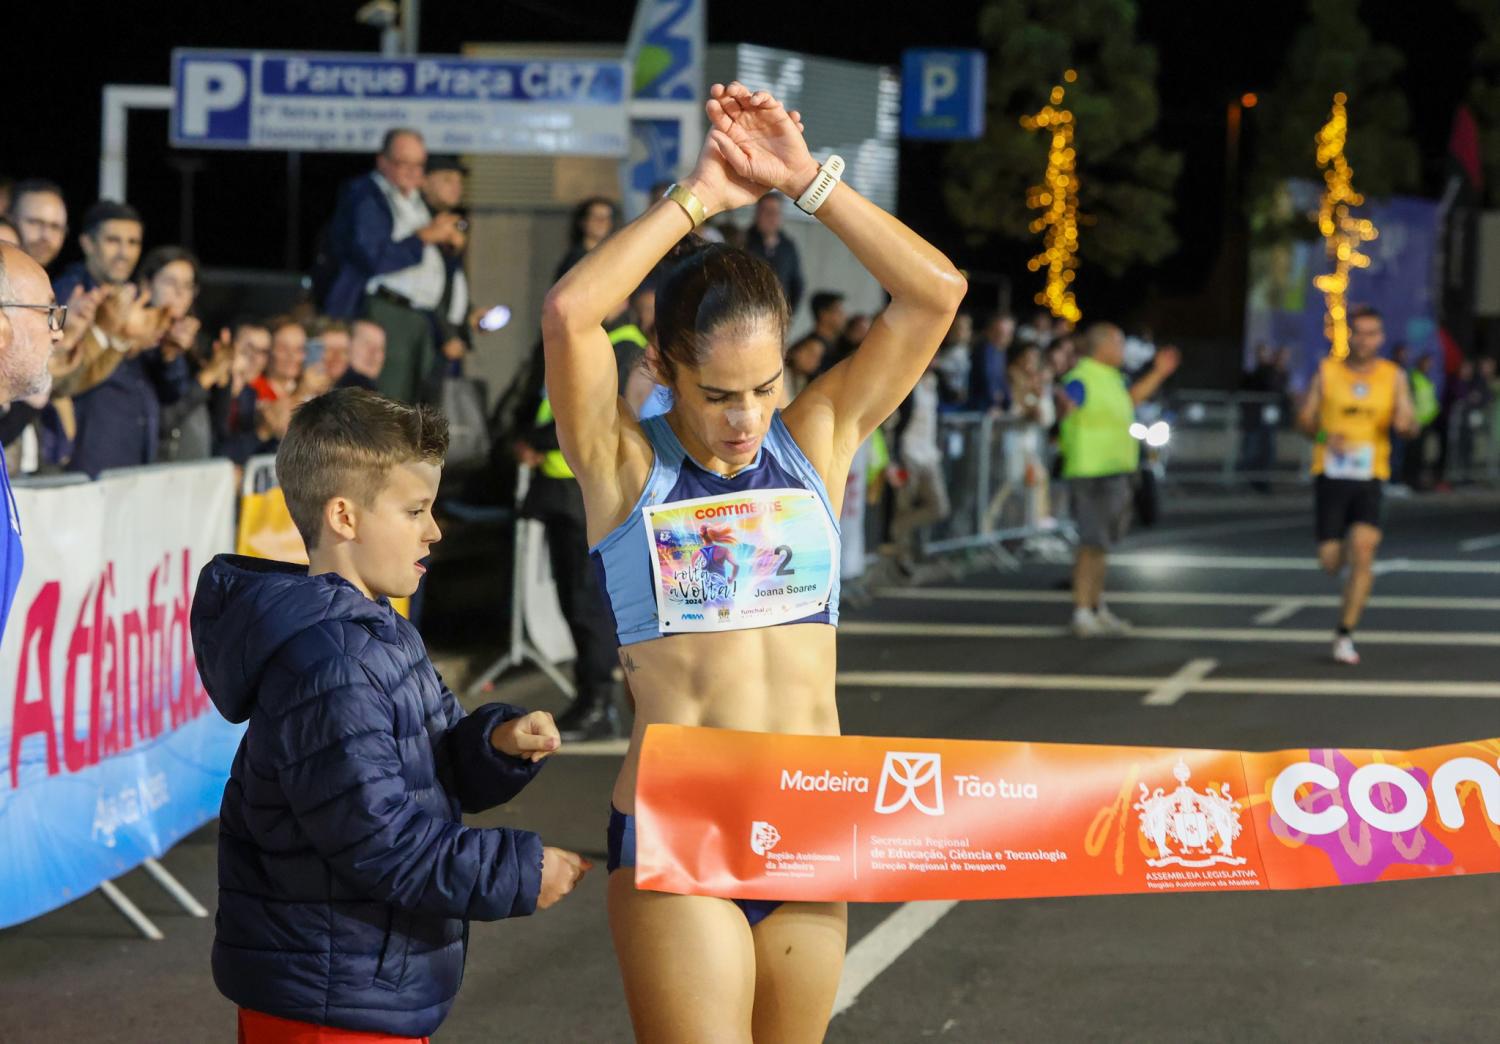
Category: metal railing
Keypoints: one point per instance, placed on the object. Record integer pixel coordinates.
(996, 470)
(1233, 438)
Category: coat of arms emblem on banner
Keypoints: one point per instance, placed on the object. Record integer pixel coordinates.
(1190, 828)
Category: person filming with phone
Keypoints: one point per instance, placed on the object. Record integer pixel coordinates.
(392, 255)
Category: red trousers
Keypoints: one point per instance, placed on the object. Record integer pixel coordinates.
(258, 1028)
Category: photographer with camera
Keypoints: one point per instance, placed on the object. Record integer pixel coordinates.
(389, 248)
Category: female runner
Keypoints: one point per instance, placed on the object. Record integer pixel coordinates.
(697, 968)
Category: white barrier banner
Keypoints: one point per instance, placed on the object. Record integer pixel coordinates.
(112, 749)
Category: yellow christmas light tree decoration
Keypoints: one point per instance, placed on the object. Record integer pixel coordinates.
(1057, 199)
(1342, 232)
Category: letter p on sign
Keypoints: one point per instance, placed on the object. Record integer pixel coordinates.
(209, 87)
(211, 99)
(942, 94)
(939, 81)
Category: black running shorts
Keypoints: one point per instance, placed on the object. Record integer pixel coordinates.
(1341, 503)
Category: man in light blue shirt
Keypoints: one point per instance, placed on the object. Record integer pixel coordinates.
(31, 324)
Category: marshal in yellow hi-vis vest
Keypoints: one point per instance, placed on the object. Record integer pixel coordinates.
(1358, 406)
(554, 465)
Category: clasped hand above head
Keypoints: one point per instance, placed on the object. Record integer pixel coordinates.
(754, 145)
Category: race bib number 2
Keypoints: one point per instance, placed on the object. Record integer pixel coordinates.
(1356, 462)
(733, 561)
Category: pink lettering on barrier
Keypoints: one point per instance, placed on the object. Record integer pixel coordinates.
(132, 656)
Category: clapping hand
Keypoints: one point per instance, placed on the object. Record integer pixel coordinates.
(180, 336)
(127, 316)
(216, 371)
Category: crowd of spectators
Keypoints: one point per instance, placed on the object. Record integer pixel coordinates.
(138, 379)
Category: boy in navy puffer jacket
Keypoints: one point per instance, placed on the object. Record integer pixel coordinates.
(346, 879)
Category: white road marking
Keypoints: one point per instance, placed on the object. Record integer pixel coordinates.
(1166, 561)
(880, 628)
(878, 950)
(1168, 536)
(1279, 613)
(1144, 683)
(1480, 543)
(972, 594)
(1176, 687)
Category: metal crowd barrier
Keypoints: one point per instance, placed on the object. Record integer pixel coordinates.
(1213, 443)
(997, 470)
(1231, 438)
(1473, 444)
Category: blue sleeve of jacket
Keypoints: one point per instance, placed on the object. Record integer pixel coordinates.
(470, 767)
(338, 762)
(370, 244)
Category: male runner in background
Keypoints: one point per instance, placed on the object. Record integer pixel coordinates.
(1352, 405)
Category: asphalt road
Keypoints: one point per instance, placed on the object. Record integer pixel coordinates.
(1397, 962)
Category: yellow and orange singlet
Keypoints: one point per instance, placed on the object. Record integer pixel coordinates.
(1357, 405)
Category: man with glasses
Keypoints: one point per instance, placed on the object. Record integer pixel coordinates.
(31, 324)
(41, 217)
(390, 268)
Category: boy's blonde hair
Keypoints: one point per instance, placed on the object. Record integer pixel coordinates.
(345, 443)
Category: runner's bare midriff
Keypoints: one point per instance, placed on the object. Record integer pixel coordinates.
(765, 679)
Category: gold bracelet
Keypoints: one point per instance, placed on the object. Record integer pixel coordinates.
(685, 199)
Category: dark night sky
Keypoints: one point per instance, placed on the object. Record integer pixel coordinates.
(60, 54)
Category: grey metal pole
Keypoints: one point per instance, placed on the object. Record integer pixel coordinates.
(411, 26)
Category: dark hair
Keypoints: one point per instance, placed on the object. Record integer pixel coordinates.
(281, 322)
(709, 287)
(581, 213)
(109, 210)
(28, 186)
(1364, 312)
(346, 443)
(1018, 351)
(824, 300)
(326, 325)
(6, 222)
(391, 135)
(160, 257)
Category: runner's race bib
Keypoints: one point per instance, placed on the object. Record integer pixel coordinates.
(733, 561)
(1356, 462)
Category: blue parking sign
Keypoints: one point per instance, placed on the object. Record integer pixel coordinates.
(942, 94)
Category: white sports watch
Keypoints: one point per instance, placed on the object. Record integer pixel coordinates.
(829, 175)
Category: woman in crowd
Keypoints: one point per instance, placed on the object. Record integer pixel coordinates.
(592, 222)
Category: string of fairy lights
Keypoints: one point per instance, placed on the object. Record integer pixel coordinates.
(1057, 199)
(1342, 232)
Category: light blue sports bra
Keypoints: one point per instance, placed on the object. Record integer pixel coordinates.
(703, 553)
